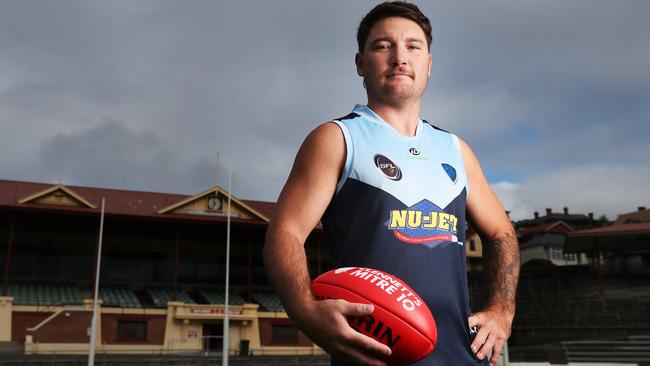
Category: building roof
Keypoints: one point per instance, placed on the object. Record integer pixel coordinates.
(628, 238)
(554, 217)
(641, 215)
(615, 229)
(20, 195)
(555, 226)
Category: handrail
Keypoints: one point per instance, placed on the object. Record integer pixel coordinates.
(46, 320)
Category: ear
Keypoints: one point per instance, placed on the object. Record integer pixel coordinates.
(430, 62)
(358, 60)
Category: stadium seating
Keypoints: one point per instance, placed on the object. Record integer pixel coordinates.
(161, 296)
(217, 296)
(118, 296)
(566, 304)
(45, 293)
(268, 301)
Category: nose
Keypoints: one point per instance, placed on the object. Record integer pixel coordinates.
(398, 57)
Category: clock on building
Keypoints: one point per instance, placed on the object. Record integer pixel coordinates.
(214, 203)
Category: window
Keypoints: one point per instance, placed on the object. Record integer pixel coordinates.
(472, 245)
(556, 254)
(284, 334)
(132, 330)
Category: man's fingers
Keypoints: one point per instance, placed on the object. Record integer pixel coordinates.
(486, 348)
(474, 320)
(371, 345)
(355, 309)
(496, 353)
(357, 357)
(363, 342)
(480, 339)
(493, 331)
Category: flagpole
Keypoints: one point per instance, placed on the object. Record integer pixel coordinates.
(218, 167)
(226, 320)
(93, 324)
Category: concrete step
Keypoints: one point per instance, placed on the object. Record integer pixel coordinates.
(12, 348)
(634, 350)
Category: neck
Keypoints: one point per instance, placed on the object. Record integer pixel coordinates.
(403, 118)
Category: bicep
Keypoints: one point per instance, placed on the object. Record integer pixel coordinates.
(483, 206)
(312, 181)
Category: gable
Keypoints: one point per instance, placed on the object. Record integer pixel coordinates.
(213, 202)
(57, 195)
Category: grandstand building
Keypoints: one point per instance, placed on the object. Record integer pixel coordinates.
(162, 272)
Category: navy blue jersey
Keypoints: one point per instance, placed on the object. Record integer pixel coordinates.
(400, 207)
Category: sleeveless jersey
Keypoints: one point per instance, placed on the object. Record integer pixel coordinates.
(399, 207)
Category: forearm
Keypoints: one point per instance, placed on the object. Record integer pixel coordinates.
(286, 267)
(501, 266)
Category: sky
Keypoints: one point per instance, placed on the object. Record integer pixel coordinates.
(553, 96)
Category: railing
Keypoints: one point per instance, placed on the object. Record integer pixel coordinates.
(48, 307)
(135, 358)
(306, 351)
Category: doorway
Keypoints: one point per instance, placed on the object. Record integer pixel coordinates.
(212, 337)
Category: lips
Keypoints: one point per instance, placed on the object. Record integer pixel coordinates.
(399, 74)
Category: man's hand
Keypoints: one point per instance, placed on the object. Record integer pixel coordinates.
(327, 326)
(494, 329)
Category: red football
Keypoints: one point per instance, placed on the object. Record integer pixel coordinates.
(400, 319)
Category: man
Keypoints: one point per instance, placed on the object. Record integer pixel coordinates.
(392, 191)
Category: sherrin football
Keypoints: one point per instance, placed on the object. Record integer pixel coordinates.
(400, 319)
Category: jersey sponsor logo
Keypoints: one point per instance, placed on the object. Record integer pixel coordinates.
(424, 223)
(414, 151)
(387, 167)
(451, 172)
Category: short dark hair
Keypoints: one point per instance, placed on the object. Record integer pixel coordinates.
(389, 9)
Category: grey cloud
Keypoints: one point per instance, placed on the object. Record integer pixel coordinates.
(113, 155)
(534, 87)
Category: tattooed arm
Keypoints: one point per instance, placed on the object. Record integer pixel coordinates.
(500, 262)
(501, 266)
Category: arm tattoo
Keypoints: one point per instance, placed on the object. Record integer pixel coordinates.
(501, 262)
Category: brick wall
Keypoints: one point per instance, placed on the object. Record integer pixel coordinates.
(20, 321)
(266, 333)
(155, 328)
(67, 327)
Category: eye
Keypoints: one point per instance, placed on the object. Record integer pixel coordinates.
(382, 46)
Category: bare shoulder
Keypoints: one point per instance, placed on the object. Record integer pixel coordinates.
(465, 150)
(483, 206)
(323, 148)
(470, 161)
(326, 136)
(313, 179)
